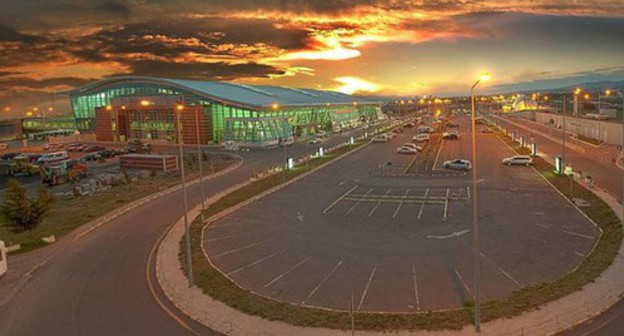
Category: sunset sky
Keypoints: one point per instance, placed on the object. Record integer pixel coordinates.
(410, 47)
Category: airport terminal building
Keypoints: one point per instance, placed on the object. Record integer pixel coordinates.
(136, 107)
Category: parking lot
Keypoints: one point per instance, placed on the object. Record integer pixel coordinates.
(401, 244)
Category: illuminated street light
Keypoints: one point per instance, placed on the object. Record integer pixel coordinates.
(586, 96)
(187, 238)
(475, 204)
(275, 106)
(145, 103)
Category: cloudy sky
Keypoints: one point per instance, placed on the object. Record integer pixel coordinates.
(385, 46)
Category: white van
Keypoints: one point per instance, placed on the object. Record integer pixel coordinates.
(421, 137)
(55, 156)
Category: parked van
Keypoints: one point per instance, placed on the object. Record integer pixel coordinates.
(55, 156)
(421, 137)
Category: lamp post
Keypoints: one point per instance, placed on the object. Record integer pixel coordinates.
(187, 238)
(475, 204)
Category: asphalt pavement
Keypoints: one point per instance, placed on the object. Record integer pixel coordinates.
(98, 284)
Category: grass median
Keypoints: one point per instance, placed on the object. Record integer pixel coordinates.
(216, 285)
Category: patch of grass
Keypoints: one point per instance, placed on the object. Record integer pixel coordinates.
(214, 284)
(65, 215)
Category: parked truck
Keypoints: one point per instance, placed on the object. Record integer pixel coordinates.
(62, 172)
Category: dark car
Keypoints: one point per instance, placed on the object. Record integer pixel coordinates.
(452, 125)
(8, 156)
(91, 149)
(107, 153)
(91, 157)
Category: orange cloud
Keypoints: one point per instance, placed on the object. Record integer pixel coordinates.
(351, 85)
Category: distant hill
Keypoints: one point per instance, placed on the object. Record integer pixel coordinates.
(586, 86)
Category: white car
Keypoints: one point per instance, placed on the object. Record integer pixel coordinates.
(316, 140)
(380, 138)
(406, 150)
(421, 137)
(523, 160)
(425, 129)
(390, 135)
(321, 134)
(458, 164)
(450, 135)
(411, 145)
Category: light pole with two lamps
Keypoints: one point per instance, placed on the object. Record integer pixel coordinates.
(475, 203)
(187, 237)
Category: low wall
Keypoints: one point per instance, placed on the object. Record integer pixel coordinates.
(89, 138)
(607, 131)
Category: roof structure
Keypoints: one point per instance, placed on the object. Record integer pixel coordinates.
(257, 96)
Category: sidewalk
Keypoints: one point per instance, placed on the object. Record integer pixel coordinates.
(595, 298)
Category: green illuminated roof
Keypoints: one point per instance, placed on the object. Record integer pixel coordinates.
(257, 96)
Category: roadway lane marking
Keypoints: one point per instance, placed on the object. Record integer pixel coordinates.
(370, 279)
(468, 192)
(422, 206)
(506, 274)
(378, 203)
(415, 287)
(468, 291)
(578, 234)
(579, 254)
(322, 282)
(240, 248)
(400, 204)
(358, 202)
(339, 199)
(450, 235)
(287, 272)
(257, 262)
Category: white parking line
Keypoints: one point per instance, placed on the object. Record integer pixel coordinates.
(339, 199)
(240, 249)
(506, 274)
(468, 190)
(322, 281)
(378, 203)
(579, 254)
(400, 204)
(446, 199)
(578, 234)
(415, 287)
(462, 281)
(257, 262)
(370, 279)
(277, 278)
(422, 206)
(435, 162)
(358, 202)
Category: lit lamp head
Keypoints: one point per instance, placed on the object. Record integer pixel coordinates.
(145, 103)
(484, 77)
(577, 91)
(587, 96)
(275, 106)
(608, 92)
(179, 107)
(108, 107)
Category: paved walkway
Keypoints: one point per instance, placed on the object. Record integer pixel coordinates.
(551, 318)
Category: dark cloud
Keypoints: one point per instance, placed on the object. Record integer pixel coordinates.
(202, 71)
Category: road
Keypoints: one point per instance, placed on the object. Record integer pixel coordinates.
(98, 284)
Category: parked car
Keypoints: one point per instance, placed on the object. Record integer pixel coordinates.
(286, 142)
(409, 125)
(91, 149)
(316, 140)
(397, 130)
(107, 153)
(8, 156)
(53, 146)
(380, 138)
(523, 160)
(321, 134)
(450, 135)
(3, 145)
(458, 164)
(411, 145)
(406, 150)
(425, 129)
(452, 125)
(486, 130)
(75, 147)
(421, 137)
(390, 135)
(50, 157)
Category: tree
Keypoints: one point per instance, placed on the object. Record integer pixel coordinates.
(22, 212)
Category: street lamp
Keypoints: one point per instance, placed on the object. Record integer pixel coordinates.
(187, 237)
(475, 204)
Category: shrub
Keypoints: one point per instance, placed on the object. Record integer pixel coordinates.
(22, 212)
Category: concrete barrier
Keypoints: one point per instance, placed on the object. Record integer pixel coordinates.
(3, 259)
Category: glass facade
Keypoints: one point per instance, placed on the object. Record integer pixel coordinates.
(223, 122)
(48, 124)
